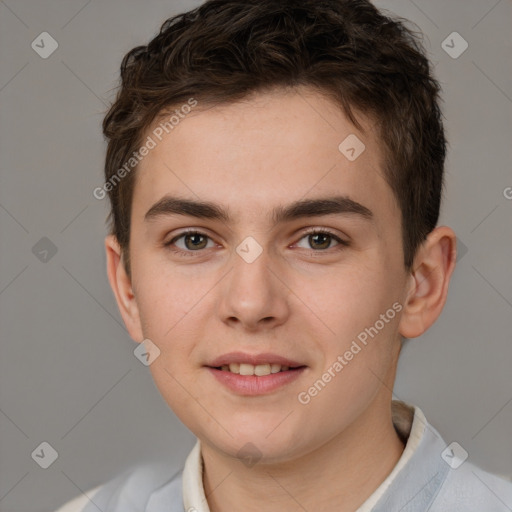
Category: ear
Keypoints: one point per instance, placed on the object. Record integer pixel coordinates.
(433, 267)
(121, 285)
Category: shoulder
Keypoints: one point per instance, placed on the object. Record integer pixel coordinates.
(132, 490)
(439, 477)
(470, 488)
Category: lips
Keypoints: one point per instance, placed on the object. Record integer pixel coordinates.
(253, 385)
(253, 359)
(254, 374)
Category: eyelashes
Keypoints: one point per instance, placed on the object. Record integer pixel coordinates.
(313, 232)
(200, 241)
(187, 234)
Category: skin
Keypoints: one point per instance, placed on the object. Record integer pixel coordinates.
(296, 299)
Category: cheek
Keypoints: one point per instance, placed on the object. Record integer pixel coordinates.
(173, 308)
(352, 300)
(359, 312)
(165, 299)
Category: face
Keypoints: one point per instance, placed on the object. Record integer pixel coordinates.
(296, 255)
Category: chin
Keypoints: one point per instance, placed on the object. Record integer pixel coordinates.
(258, 446)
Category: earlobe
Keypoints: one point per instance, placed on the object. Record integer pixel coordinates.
(121, 286)
(433, 266)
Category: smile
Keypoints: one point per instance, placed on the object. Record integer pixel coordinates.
(251, 369)
(255, 380)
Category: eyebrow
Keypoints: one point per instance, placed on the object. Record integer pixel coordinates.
(336, 205)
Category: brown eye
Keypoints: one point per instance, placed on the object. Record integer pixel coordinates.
(191, 241)
(321, 240)
(195, 241)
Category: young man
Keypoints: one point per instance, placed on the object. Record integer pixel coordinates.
(275, 173)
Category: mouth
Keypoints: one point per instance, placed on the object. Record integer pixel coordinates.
(259, 370)
(254, 374)
(246, 379)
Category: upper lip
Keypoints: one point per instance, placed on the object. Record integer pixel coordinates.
(254, 359)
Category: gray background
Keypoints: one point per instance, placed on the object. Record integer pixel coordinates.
(68, 375)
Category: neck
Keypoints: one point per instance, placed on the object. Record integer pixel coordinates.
(339, 475)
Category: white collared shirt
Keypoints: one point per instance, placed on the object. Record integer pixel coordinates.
(430, 476)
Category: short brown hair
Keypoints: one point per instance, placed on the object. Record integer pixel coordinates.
(348, 50)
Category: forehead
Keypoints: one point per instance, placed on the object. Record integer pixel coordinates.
(263, 152)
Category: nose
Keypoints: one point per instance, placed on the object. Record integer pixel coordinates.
(253, 295)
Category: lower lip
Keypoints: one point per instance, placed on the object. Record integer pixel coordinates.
(254, 385)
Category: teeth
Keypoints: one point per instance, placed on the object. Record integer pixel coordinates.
(246, 369)
(262, 369)
(234, 368)
(274, 368)
(250, 369)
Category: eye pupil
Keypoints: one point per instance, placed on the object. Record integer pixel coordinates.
(196, 241)
(324, 245)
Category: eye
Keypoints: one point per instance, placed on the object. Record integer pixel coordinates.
(321, 240)
(190, 241)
